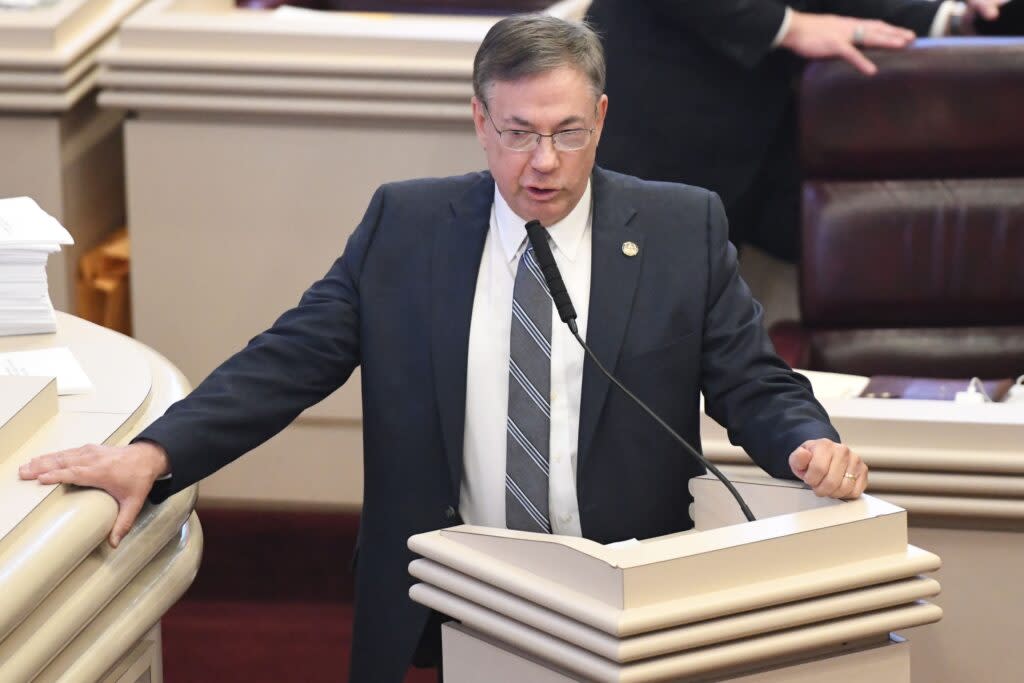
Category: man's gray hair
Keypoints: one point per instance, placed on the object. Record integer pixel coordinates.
(529, 44)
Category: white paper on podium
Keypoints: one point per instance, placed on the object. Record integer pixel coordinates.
(56, 362)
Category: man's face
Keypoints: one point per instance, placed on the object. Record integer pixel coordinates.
(543, 184)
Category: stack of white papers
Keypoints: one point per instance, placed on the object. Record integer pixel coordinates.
(28, 235)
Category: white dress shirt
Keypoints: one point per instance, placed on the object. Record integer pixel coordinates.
(482, 495)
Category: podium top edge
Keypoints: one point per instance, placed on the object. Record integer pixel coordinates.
(689, 544)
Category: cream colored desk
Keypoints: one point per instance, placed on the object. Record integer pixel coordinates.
(959, 472)
(58, 147)
(72, 609)
(254, 147)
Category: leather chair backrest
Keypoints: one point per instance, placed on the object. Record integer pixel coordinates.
(913, 209)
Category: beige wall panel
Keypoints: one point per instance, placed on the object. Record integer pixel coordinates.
(232, 219)
(773, 283)
(31, 152)
(982, 598)
(310, 463)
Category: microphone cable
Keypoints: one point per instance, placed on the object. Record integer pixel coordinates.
(567, 312)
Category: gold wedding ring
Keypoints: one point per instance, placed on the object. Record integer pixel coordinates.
(850, 475)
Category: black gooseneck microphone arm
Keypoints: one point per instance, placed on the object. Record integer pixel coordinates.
(538, 239)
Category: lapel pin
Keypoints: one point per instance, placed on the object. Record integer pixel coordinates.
(630, 248)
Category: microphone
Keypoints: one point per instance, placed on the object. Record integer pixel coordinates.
(567, 312)
(546, 260)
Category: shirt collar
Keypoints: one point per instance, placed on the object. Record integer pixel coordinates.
(567, 234)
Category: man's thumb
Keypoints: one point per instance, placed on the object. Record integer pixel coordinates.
(799, 461)
(126, 514)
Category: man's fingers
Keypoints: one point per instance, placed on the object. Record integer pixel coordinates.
(880, 34)
(128, 510)
(853, 485)
(75, 474)
(858, 468)
(885, 40)
(988, 9)
(817, 471)
(862, 483)
(36, 466)
(857, 59)
(905, 36)
(57, 460)
(848, 482)
(834, 465)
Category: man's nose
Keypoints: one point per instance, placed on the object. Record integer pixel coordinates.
(545, 156)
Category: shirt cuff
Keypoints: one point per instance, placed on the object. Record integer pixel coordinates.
(166, 476)
(944, 18)
(787, 19)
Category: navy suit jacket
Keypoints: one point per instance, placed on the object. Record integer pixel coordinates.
(671, 321)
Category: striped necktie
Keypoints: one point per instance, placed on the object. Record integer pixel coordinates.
(529, 401)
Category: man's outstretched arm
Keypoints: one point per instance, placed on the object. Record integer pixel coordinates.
(308, 352)
(768, 409)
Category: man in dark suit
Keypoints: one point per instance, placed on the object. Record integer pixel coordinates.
(704, 91)
(467, 372)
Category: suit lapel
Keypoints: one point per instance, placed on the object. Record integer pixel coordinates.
(458, 246)
(613, 282)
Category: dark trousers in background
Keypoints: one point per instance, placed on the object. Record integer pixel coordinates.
(428, 652)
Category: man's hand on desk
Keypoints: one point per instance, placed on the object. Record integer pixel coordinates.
(820, 36)
(127, 473)
(830, 468)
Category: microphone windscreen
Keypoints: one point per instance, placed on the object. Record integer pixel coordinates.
(538, 237)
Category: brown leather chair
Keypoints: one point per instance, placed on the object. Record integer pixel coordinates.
(913, 214)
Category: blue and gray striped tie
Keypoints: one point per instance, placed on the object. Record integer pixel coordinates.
(529, 401)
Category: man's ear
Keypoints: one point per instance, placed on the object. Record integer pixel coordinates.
(602, 111)
(480, 121)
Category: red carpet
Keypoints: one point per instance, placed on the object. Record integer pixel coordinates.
(272, 601)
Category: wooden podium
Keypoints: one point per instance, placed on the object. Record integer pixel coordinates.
(72, 609)
(813, 588)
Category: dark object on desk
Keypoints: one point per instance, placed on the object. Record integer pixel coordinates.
(489, 7)
(1009, 23)
(929, 389)
(500, 7)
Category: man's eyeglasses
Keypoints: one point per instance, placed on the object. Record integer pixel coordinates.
(527, 140)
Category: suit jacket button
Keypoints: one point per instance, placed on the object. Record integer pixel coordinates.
(449, 512)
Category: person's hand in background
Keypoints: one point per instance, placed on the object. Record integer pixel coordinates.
(985, 10)
(822, 36)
